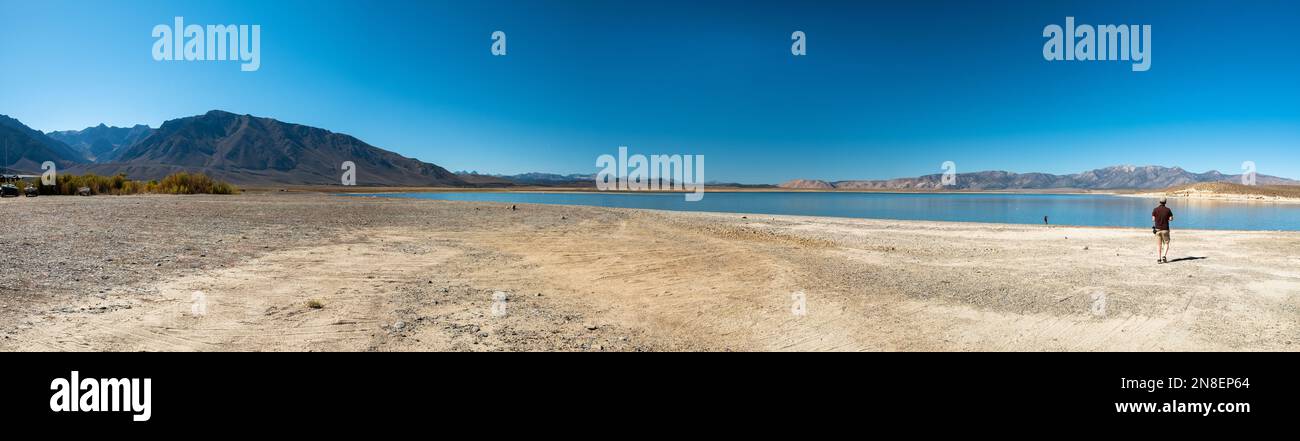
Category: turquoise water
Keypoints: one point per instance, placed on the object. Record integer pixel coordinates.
(1061, 209)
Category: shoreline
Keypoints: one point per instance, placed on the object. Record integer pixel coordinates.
(1241, 198)
(816, 217)
(707, 189)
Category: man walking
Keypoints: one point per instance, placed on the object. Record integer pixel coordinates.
(1160, 218)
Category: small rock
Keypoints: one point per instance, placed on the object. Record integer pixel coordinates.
(400, 325)
(591, 326)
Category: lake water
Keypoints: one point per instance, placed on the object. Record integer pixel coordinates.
(1061, 209)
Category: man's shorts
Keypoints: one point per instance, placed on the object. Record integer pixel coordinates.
(1163, 235)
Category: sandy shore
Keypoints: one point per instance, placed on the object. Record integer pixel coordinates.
(1221, 197)
(211, 273)
(1228, 192)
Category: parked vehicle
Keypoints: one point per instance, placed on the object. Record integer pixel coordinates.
(83, 191)
(31, 191)
(9, 185)
(8, 190)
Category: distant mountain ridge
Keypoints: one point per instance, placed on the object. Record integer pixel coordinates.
(241, 149)
(533, 178)
(249, 150)
(102, 143)
(25, 149)
(1115, 177)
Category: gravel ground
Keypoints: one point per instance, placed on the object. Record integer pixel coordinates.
(125, 273)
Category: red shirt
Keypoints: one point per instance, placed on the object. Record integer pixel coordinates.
(1162, 215)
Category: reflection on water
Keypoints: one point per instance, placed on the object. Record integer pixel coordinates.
(1062, 209)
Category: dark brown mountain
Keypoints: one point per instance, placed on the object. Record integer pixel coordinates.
(249, 150)
(1117, 177)
(102, 143)
(23, 149)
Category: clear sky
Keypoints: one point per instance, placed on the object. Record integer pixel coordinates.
(887, 89)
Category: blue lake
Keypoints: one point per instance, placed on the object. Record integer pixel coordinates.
(1061, 209)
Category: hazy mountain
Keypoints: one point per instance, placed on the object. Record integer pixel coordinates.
(810, 184)
(101, 143)
(1117, 177)
(23, 149)
(249, 150)
(484, 180)
(544, 179)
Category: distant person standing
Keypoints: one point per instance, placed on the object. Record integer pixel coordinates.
(1160, 218)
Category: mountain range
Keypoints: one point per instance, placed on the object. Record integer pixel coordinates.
(1116, 177)
(241, 149)
(25, 149)
(249, 150)
(101, 143)
(534, 178)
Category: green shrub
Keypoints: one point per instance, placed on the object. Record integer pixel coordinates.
(176, 183)
(197, 183)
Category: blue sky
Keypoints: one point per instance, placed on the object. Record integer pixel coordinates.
(887, 89)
